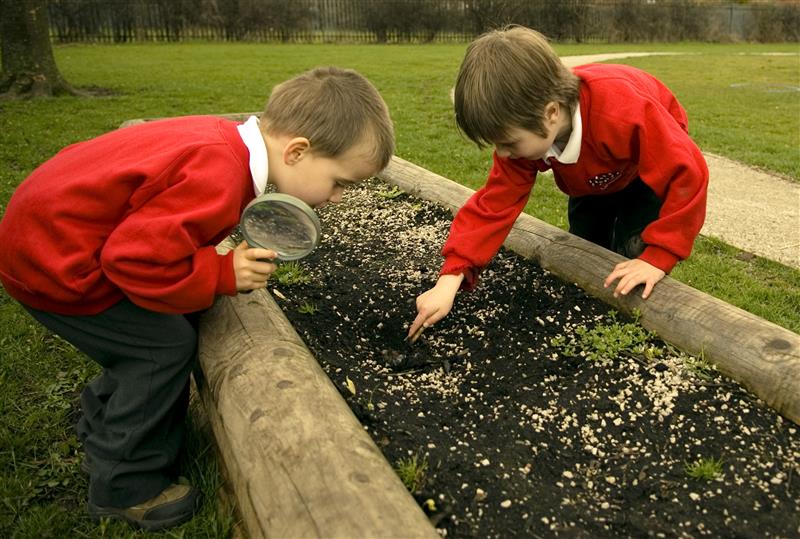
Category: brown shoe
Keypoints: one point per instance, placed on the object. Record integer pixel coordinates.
(175, 505)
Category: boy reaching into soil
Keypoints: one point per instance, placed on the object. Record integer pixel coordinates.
(111, 245)
(616, 140)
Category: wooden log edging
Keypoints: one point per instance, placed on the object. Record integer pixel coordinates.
(298, 461)
(235, 116)
(760, 355)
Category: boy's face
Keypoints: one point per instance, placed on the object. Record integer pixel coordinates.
(319, 180)
(523, 144)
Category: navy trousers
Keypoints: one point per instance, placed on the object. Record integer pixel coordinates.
(132, 425)
(615, 221)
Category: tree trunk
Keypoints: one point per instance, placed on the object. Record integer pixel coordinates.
(29, 68)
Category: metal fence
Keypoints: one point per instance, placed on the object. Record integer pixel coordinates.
(392, 21)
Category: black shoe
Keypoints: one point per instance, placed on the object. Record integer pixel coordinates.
(175, 505)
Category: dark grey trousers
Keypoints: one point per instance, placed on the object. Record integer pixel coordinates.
(615, 221)
(132, 425)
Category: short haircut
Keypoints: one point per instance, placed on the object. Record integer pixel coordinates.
(335, 109)
(506, 80)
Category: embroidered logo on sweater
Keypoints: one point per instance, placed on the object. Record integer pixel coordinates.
(602, 181)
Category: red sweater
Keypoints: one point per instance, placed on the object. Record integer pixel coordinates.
(632, 127)
(133, 213)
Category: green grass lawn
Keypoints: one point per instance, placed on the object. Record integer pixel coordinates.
(734, 110)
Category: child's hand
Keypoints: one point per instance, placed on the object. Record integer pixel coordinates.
(631, 274)
(252, 267)
(434, 304)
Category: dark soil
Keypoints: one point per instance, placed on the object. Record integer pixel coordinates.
(523, 438)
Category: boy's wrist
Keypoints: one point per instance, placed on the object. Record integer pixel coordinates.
(659, 257)
(450, 281)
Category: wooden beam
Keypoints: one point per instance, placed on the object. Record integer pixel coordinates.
(762, 356)
(300, 463)
(235, 116)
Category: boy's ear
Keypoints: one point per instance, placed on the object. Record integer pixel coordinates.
(551, 111)
(295, 150)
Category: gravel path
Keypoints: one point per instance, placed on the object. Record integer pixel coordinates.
(753, 210)
(748, 208)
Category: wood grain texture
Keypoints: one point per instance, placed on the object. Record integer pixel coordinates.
(762, 356)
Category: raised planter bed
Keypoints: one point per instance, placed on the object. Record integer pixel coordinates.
(521, 435)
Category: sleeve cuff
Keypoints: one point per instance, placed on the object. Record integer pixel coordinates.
(659, 257)
(454, 265)
(226, 283)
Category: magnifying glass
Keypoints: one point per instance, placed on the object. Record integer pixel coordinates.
(281, 223)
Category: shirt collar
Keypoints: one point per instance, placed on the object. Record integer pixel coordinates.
(572, 150)
(252, 138)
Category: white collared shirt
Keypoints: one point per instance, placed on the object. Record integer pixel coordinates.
(252, 138)
(569, 155)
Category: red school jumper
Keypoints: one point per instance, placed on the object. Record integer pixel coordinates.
(135, 212)
(633, 127)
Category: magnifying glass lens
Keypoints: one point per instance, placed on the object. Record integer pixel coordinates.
(288, 227)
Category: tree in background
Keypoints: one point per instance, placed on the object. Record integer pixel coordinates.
(29, 68)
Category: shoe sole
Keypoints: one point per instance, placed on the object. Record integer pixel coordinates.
(97, 513)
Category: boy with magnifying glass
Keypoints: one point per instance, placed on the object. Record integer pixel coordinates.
(111, 245)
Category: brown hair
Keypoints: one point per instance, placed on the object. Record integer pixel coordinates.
(335, 109)
(506, 79)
